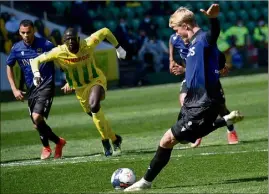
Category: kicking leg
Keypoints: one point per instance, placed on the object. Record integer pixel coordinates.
(159, 161)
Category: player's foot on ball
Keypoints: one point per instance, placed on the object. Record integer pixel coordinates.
(46, 152)
(117, 146)
(232, 137)
(138, 186)
(196, 143)
(107, 147)
(233, 117)
(59, 148)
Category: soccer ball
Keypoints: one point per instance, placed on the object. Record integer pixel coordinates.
(122, 178)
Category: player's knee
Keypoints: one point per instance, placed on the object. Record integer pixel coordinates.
(168, 140)
(37, 118)
(95, 106)
(35, 127)
(181, 98)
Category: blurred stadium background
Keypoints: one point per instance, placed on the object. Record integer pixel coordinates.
(243, 38)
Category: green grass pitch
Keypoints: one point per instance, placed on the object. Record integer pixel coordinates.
(141, 116)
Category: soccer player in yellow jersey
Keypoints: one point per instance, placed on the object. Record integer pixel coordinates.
(76, 58)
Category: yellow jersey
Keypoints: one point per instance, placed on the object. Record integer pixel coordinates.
(80, 68)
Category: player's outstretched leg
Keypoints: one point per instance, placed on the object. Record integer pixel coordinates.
(159, 161)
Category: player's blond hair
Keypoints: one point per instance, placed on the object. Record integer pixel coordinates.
(180, 16)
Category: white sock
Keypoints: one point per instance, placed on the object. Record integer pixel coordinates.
(146, 182)
(228, 122)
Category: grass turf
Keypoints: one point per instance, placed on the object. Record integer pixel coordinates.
(141, 116)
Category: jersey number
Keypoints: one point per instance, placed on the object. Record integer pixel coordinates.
(191, 52)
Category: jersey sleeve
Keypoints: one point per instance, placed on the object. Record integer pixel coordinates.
(49, 45)
(222, 60)
(213, 34)
(11, 59)
(45, 57)
(99, 36)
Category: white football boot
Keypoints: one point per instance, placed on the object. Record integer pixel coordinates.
(138, 186)
(233, 117)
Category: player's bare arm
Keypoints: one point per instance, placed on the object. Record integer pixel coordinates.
(18, 94)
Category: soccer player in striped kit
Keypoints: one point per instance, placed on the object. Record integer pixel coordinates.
(76, 58)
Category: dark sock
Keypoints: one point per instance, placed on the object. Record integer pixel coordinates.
(230, 127)
(226, 112)
(44, 139)
(45, 129)
(220, 122)
(159, 161)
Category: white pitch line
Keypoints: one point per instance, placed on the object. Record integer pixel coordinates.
(99, 157)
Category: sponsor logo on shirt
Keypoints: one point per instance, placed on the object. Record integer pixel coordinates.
(74, 60)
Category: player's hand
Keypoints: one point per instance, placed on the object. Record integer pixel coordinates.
(67, 89)
(225, 70)
(37, 78)
(212, 12)
(121, 53)
(19, 94)
(178, 70)
(171, 65)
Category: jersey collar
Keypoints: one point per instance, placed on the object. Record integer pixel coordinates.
(194, 36)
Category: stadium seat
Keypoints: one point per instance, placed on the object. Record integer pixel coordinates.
(111, 24)
(146, 5)
(231, 16)
(159, 20)
(255, 14)
(135, 24)
(257, 4)
(221, 17)
(247, 5)
(139, 11)
(265, 13)
(225, 26)
(235, 5)
(243, 15)
(224, 6)
(165, 33)
(251, 26)
(128, 12)
(98, 25)
(115, 12)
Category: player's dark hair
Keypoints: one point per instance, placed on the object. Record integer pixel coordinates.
(72, 31)
(27, 23)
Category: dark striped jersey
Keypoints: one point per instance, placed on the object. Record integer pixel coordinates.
(23, 54)
(202, 68)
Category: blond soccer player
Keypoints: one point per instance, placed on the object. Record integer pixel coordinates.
(76, 58)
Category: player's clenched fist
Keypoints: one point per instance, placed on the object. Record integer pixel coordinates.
(121, 53)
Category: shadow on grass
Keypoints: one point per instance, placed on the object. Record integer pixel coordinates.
(241, 180)
(143, 151)
(257, 179)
